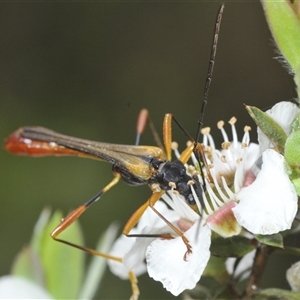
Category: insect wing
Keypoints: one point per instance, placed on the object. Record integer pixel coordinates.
(40, 141)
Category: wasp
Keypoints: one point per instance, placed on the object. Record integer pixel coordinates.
(134, 164)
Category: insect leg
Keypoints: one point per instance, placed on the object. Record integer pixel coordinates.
(137, 215)
(142, 121)
(134, 286)
(75, 214)
(195, 148)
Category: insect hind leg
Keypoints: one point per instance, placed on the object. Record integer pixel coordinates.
(142, 121)
(75, 214)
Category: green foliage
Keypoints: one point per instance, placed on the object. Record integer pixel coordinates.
(59, 268)
(285, 27)
(271, 294)
(284, 23)
(235, 246)
(269, 127)
(274, 240)
(56, 256)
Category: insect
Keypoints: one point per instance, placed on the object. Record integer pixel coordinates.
(135, 164)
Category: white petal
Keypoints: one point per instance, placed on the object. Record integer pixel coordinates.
(284, 114)
(244, 267)
(132, 250)
(180, 207)
(121, 247)
(151, 219)
(293, 277)
(14, 287)
(165, 260)
(251, 156)
(269, 204)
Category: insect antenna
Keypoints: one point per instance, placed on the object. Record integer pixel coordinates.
(198, 150)
(210, 72)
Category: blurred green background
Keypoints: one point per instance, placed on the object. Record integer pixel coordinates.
(86, 69)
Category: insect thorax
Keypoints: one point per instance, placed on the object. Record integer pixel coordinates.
(173, 175)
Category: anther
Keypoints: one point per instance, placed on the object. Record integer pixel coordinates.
(247, 128)
(174, 145)
(172, 185)
(220, 124)
(225, 145)
(232, 121)
(205, 131)
(191, 169)
(188, 143)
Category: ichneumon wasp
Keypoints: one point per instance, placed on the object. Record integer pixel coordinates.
(135, 164)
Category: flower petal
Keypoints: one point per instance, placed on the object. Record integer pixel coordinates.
(293, 276)
(284, 114)
(269, 204)
(132, 249)
(165, 261)
(242, 270)
(223, 221)
(14, 287)
(122, 246)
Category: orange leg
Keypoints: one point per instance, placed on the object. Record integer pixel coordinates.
(134, 286)
(74, 215)
(138, 214)
(142, 121)
(197, 148)
(167, 138)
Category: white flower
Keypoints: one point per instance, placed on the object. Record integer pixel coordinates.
(237, 194)
(268, 198)
(131, 249)
(15, 287)
(293, 276)
(269, 204)
(242, 270)
(165, 258)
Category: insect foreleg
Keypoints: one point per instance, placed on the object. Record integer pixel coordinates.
(138, 214)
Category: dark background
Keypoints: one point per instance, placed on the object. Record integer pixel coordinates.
(86, 69)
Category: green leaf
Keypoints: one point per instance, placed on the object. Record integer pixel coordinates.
(292, 250)
(295, 124)
(38, 230)
(292, 149)
(274, 240)
(235, 246)
(292, 156)
(272, 293)
(216, 269)
(269, 127)
(64, 265)
(296, 183)
(285, 27)
(27, 264)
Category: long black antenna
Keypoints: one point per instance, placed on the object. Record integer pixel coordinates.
(210, 71)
